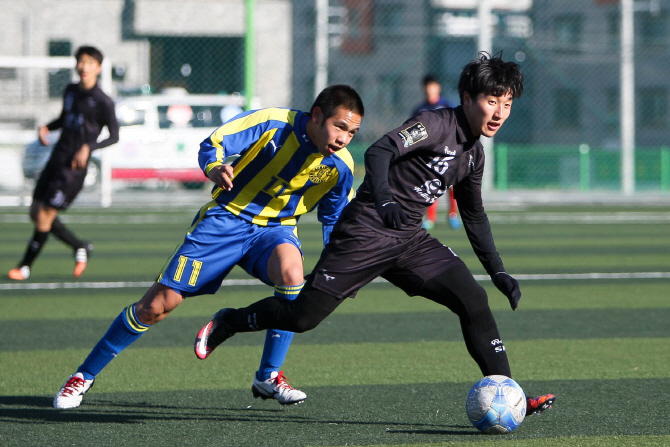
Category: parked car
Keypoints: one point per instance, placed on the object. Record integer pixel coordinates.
(160, 135)
(36, 156)
(159, 138)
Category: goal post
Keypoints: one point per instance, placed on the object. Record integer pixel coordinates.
(49, 62)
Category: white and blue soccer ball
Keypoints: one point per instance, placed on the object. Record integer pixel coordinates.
(496, 405)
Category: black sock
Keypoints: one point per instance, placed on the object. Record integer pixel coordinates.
(484, 343)
(300, 315)
(457, 289)
(258, 316)
(61, 232)
(34, 247)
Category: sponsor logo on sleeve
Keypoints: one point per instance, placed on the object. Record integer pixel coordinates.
(413, 134)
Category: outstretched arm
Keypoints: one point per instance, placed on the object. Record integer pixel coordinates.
(478, 229)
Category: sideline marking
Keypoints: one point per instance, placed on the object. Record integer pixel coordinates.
(255, 282)
(577, 218)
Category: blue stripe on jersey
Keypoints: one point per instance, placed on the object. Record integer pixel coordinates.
(280, 174)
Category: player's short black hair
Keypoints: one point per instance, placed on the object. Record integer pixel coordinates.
(429, 79)
(89, 51)
(335, 96)
(492, 76)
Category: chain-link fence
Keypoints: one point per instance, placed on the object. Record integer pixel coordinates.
(178, 68)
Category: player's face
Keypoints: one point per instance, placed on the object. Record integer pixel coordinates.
(334, 133)
(88, 69)
(433, 91)
(486, 113)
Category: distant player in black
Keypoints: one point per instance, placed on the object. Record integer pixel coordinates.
(86, 110)
(380, 234)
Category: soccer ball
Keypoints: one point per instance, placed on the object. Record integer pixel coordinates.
(496, 405)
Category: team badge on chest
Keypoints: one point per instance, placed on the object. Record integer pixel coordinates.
(320, 174)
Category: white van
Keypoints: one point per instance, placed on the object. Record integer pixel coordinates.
(159, 138)
(160, 135)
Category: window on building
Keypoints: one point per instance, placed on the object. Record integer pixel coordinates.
(59, 79)
(198, 64)
(653, 28)
(567, 31)
(652, 107)
(357, 38)
(567, 108)
(389, 90)
(613, 27)
(389, 18)
(612, 108)
(7, 73)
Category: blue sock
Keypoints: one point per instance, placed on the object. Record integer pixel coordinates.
(277, 342)
(123, 331)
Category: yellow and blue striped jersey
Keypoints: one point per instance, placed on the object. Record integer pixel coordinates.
(279, 174)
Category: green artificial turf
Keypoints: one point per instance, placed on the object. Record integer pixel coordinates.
(384, 369)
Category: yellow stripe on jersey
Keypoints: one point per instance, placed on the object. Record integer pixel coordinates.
(244, 161)
(264, 178)
(249, 156)
(210, 166)
(247, 122)
(346, 157)
(279, 201)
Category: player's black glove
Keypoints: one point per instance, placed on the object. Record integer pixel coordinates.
(509, 287)
(392, 214)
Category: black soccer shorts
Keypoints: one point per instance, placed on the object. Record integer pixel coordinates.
(356, 255)
(58, 186)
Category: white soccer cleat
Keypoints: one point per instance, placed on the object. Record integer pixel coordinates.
(71, 394)
(210, 336)
(19, 273)
(277, 387)
(81, 256)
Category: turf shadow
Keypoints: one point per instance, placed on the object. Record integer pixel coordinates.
(359, 328)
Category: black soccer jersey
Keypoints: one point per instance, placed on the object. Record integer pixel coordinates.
(435, 150)
(84, 114)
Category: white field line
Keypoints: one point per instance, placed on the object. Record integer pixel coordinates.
(622, 217)
(255, 282)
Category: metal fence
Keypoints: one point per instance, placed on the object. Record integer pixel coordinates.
(569, 130)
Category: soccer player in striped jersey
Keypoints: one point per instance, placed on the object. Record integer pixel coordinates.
(380, 234)
(286, 163)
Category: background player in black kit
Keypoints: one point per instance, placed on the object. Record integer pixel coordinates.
(380, 234)
(86, 110)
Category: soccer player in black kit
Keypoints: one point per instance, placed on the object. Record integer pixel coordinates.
(86, 110)
(380, 234)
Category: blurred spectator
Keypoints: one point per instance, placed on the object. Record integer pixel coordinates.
(433, 101)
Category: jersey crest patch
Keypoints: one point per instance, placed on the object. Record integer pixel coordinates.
(413, 134)
(320, 174)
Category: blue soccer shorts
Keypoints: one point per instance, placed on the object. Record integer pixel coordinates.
(216, 242)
